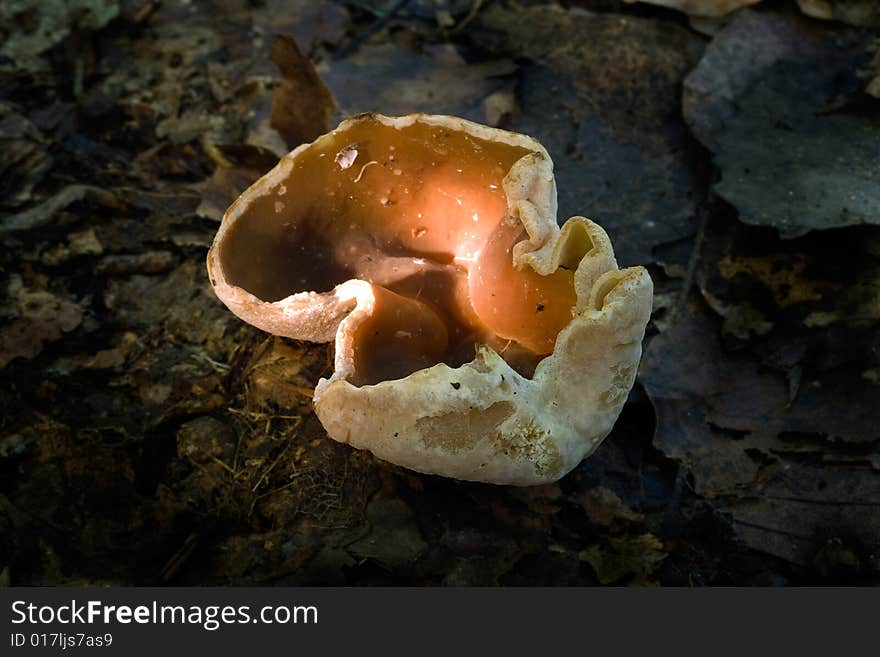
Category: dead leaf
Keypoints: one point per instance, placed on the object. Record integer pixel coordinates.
(771, 119)
(113, 358)
(601, 93)
(310, 23)
(38, 316)
(44, 213)
(80, 243)
(222, 188)
(392, 80)
(394, 540)
(282, 376)
(37, 25)
(302, 105)
(766, 286)
(603, 507)
(24, 157)
(148, 262)
(206, 440)
(751, 448)
(630, 560)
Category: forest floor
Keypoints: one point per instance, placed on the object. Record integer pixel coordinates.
(148, 436)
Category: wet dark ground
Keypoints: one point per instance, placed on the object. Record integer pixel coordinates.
(147, 436)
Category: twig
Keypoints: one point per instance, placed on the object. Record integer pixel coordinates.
(693, 261)
(472, 14)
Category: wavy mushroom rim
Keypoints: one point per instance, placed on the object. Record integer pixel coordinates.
(580, 243)
(530, 195)
(600, 302)
(526, 431)
(273, 316)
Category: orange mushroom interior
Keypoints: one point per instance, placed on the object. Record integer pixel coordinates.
(419, 212)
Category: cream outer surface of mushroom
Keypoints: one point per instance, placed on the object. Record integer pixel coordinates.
(486, 419)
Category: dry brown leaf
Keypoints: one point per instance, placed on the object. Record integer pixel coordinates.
(302, 105)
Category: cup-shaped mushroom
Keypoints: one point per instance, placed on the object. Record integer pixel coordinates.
(474, 337)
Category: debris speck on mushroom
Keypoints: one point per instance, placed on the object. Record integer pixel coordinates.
(346, 156)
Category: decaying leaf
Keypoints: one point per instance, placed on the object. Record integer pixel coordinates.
(854, 12)
(37, 317)
(601, 93)
(604, 507)
(625, 560)
(765, 100)
(789, 470)
(280, 376)
(44, 213)
(310, 23)
(302, 105)
(759, 283)
(79, 243)
(394, 81)
(238, 166)
(394, 540)
(24, 157)
(40, 24)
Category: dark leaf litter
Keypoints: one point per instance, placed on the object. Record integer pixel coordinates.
(147, 436)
